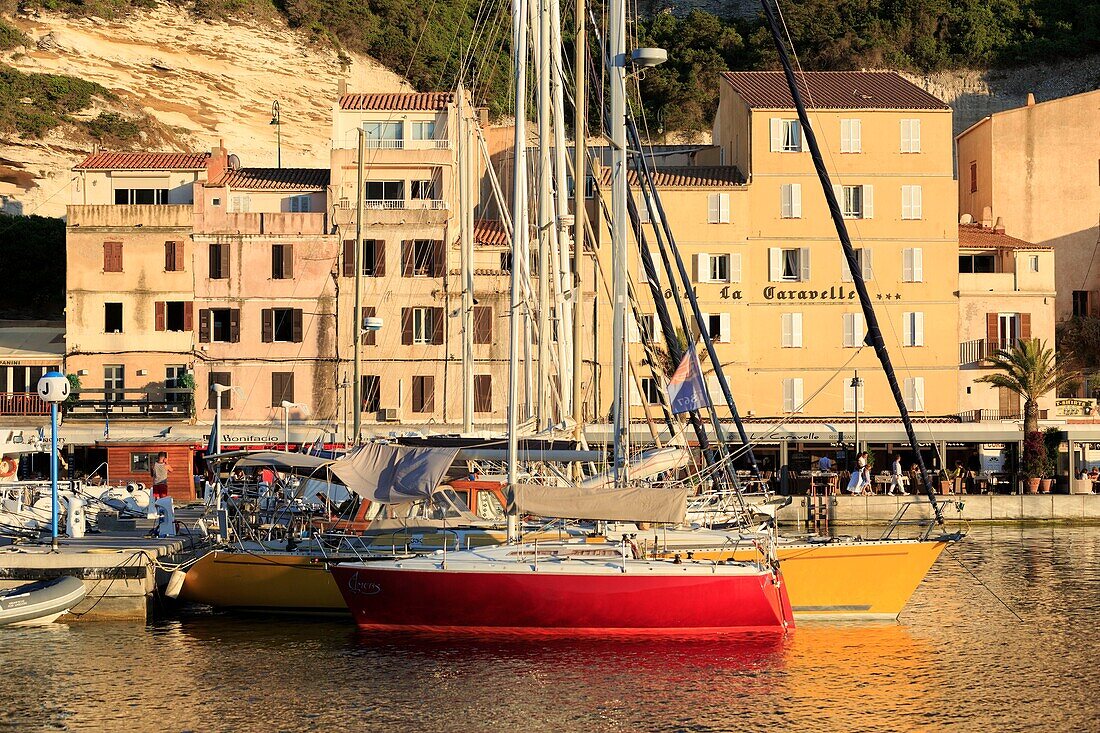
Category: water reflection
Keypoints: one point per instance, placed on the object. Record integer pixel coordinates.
(958, 659)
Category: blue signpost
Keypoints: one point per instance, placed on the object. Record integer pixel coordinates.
(53, 387)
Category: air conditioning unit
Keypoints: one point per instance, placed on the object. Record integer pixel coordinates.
(388, 414)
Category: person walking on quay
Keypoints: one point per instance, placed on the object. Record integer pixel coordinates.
(896, 484)
(860, 478)
(160, 471)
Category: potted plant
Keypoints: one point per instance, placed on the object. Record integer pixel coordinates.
(1052, 440)
(947, 486)
(1034, 462)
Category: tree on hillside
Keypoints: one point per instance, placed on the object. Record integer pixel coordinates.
(32, 252)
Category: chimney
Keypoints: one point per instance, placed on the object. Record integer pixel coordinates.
(1030, 99)
(987, 216)
(218, 162)
(341, 88)
(999, 227)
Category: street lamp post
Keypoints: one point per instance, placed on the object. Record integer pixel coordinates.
(277, 121)
(287, 406)
(856, 383)
(53, 387)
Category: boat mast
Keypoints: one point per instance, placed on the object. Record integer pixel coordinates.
(562, 279)
(874, 334)
(616, 53)
(580, 183)
(545, 215)
(466, 223)
(519, 242)
(357, 317)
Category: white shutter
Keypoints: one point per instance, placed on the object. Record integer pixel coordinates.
(918, 328)
(635, 395)
(908, 256)
(702, 267)
(796, 394)
(796, 200)
(655, 330)
(705, 327)
(914, 136)
(796, 330)
(849, 396)
(804, 264)
(787, 328)
(845, 136)
(788, 395)
(735, 267)
(785, 197)
(907, 329)
(634, 336)
(724, 334)
(845, 270)
(776, 126)
(906, 202)
(796, 131)
(775, 264)
(917, 209)
(857, 136)
(918, 265)
(838, 191)
(868, 202)
(849, 337)
(906, 136)
(907, 392)
(723, 208)
(713, 214)
(918, 394)
(643, 210)
(865, 263)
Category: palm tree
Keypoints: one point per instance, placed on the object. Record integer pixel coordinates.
(1030, 370)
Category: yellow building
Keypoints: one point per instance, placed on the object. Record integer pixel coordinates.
(766, 264)
(1034, 170)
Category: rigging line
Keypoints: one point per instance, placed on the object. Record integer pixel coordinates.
(423, 32)
(993, 593)
(454, 41)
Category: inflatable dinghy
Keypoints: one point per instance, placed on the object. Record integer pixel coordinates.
(41, 602)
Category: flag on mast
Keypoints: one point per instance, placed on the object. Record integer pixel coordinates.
(214, 443)
(686, 388)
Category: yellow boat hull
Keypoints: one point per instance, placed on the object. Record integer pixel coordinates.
(263, 582)
(867, 579)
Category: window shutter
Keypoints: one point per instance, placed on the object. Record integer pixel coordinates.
(702, 267)
(483, 393)
(204, 325)
(1025, 326)
(918, 265)
(214, 260)
(776, 127)
(224, 253)
(796, 330)
(438, 252)
(406, 258)
(914, 136)
(908, 265)
(907, 329)
(796, 394)
(704, 327)
(437, 325)
(796, 200)
(804, 264)
(712, 208)
(276, 261)
(787, 327)
(865, 257)
(349, 258)
(369, 338)
(918, 209)
(992, 330)
(724, 328)
(483, 315)
(288, 261)
(788, 395)
(785, 198)
(235, 325)
(429, 392)
(735, 267)
(180, 267)
(724, 208)
(849, 396)
(158, 315)
(379, 257)
(633, 332)
(856, 134)
(838, 191)
(845, 269)
(849, 330)
(868, 201)
(276, 389)
(845, 136)
(906, 202)
(297, 326)
(918, 328)
(407, 326)
(643, 211)
(655, 330)
(189, 316)
(169, 256)
(267, 315)
(775, 264)
(906, 136)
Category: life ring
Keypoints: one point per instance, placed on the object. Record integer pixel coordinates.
(8, 467)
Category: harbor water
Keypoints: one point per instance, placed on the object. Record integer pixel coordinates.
(957, 659)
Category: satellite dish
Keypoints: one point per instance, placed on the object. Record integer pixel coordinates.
(234, 162)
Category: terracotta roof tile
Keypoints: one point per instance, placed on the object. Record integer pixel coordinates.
(144, 161)
(410, 101)
(490, 233)
(832, 90)
(275, 179)
(975, 236)
(686, 176)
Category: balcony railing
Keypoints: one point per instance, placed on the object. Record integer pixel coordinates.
(984, 415)
(95, 403)
(400, 204)
(22, 403)
(403, 144)
(974, 353)
(383, 144)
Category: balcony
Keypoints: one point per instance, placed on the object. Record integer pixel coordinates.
(400, 144)
(130, 215)
(401, 205)
(974, 353)
(272, 223)
(23, 403)
(129, 404)
(984, 415)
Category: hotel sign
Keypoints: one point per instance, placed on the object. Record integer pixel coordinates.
(1073, 407)
(834, 294)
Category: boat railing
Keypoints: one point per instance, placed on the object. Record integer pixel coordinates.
(926, 524)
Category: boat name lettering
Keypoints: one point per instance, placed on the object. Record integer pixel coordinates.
(835, 292)
(363, 589)
(227, 438)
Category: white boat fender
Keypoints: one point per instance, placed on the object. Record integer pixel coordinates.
(166, 517)
(75, 519)
(175, 584)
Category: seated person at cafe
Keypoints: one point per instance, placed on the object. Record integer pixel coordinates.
(825, 463)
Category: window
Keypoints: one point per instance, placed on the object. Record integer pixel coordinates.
(112, 318)
(224, 379)
(114, 382)
(282, 325)
(173, 379)
(718, 208)
(483, 393)
(792, 395)
(373, 258)
(977, 264)
(423, 394)
(422, 189)
(215, 202)
(786, 136)
(141, 196)
(854, 330)
(850, 136)
(912, 329)
(383, 135)
(1082, 303)
(910, 136)
(142, 462)
(422, 325)
(718, 327)
(651, 391)
(282, 388)
(1033, 263)
(222, 325)
(240, 204)
(422, 258)
(853, 395)
(422, 130)
(863, 261)
(299, 204)
(506, 261)
(912, 265)
(370, 392)
(655, 260)
(791, 330)
(913, 392)
(219, 261)
(973, 176)
(173, 257)
(282, 261)
(712, 268)
(856, 202)
(384, 194)
(1008, 330)
(645, 329)
(911, 202)
(172, 315)
(112, 256)
(790, 201)
(483, 324)
(788, 264)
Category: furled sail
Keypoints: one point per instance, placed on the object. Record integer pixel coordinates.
(629, 504)
(392, 474)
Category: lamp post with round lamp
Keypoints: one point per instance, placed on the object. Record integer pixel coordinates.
(53, 387)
